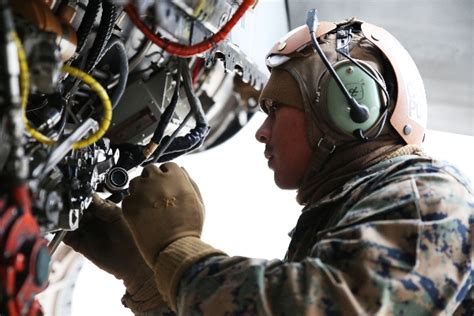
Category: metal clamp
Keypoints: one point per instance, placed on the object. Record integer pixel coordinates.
(326, 145)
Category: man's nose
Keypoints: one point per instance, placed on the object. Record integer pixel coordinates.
(263, 132)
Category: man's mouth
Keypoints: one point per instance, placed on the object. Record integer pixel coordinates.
(269, 158)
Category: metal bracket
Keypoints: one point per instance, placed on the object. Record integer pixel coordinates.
(62, 149)
(235, 60)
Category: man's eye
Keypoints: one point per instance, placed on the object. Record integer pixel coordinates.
(268, 107)
(272, 109)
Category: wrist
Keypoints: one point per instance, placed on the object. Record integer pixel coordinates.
(143, 299)
(175, 260)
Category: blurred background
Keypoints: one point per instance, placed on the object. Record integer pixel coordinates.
(246, 214)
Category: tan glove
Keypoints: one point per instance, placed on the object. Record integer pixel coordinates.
(105, 239)
(165, 213)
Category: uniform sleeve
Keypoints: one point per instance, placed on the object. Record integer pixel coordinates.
(162, 311)
(405, 249)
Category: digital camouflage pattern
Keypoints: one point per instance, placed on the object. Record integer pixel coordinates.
(395, 240)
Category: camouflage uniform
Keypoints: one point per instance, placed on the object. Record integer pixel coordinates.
(395, 240)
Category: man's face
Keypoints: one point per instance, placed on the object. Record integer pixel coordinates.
(286, 145)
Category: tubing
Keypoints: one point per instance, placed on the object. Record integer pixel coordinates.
(116, 45)
(167, 113)
(95, 86)
(177, 146)
(85, 28)
(104, 32)
(104, 98)
(167, 142)
(184, 50)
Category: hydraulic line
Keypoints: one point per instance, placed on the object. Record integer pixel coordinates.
(171, 146)
(185, 50)
(167, 141)
(85, 28)
(104, 32)
(193, 100)
(87, 79)
(177, 146)
(115, 45)
(165, 119)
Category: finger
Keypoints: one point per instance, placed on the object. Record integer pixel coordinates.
(132, 185)
(150, 170)
(73, 239)
(106, 211)
(194, 185)
(169, 167)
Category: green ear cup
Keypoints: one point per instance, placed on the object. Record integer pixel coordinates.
(362, 87)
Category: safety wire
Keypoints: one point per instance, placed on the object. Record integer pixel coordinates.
(185, 50)
(87, 79)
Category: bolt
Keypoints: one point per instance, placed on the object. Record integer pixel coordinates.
(407, 129)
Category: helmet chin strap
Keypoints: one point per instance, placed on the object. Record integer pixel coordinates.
(324, 148)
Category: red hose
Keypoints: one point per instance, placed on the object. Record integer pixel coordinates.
(184, 50)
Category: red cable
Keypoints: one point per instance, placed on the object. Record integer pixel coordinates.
(184, 50)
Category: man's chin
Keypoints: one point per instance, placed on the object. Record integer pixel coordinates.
(283, 183)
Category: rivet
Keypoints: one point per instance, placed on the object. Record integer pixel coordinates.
(350, 70)
(281, 46)
(407, 129)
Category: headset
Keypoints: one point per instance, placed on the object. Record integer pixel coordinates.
(357, 89)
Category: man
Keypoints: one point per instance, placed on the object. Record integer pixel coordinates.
(384, 228)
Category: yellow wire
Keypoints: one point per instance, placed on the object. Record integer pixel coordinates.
(104, 98)
(24, 90)
(87, 79)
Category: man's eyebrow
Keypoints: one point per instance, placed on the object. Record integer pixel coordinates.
(264, 105)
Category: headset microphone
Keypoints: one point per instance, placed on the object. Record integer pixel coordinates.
(359, 113)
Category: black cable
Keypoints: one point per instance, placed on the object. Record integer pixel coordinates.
(172, 146)
(165, 118)
(189, 142)
(193, 100)
(167, 142)
(198, 139)
(196, 136)
(85, 28)
(104, 32)
(116, 46)
(133, 155)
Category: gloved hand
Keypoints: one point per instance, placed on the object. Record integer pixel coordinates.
(105, 239)
(163, 205)
(165, 213)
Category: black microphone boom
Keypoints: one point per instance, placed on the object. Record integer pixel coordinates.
(359, 112)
